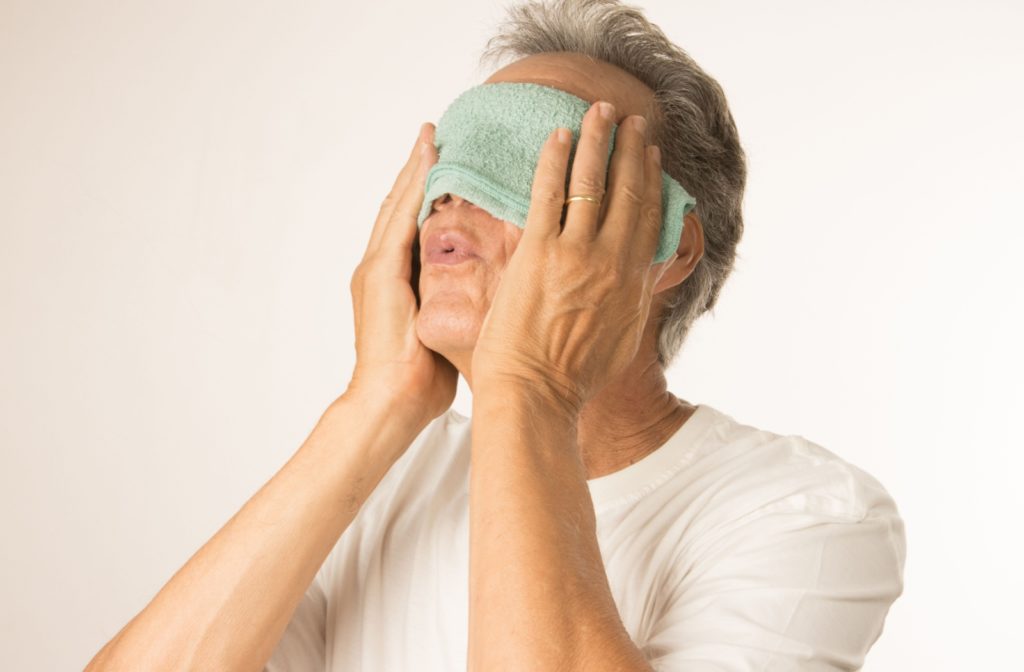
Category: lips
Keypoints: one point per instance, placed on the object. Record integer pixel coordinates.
(449, 246)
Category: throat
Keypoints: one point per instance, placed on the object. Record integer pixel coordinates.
(608, 444)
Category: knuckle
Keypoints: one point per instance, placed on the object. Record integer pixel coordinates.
(364, 271)
(358, 277)
(614, 274)
(652, 215)
(592, 185)
(631, 194)
(548, 194)
(611, 281)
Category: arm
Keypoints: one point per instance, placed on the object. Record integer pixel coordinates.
(230, 604)
(539, 595)
(567, 317)
(806, 583)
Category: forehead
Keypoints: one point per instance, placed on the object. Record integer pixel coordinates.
(582, 76)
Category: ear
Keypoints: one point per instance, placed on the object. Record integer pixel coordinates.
(690, 250)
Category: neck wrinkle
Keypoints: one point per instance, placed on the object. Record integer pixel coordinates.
(617, 428)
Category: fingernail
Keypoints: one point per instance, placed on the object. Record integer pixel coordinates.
(655, 154)
(640, 124)
(607, 110)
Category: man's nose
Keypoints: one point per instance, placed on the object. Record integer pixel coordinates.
(446, 200)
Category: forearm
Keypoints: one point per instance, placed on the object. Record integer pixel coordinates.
(230, 604)
(539, 595)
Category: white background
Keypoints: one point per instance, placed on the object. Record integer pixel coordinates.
(186, 187)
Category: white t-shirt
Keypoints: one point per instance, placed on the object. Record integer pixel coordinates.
(728, 548)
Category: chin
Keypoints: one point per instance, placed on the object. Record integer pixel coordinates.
(448, 324)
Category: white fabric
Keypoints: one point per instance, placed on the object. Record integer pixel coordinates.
(727, 549)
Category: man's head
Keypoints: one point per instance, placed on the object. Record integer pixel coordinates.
(619, 57)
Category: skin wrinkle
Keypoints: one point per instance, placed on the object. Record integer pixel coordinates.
(635, 413)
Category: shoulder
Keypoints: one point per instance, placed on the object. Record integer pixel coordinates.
(761, 471)
(782, 501)
(789, 556)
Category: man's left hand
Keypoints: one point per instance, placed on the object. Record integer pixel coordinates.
(572, 303)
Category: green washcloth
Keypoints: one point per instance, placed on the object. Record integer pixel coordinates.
(489, 141)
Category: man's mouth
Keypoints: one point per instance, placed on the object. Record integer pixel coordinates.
(448, 247)
(448, 257)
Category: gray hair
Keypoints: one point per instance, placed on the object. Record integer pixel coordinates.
(693, 128)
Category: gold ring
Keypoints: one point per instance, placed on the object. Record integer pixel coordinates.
(592, 199)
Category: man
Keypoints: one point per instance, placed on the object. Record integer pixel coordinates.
(586, 518)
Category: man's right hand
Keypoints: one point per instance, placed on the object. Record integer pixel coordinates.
(392, 364)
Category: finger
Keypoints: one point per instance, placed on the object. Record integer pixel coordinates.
(651, 280)
(647, 232)
(400, 229)
(627, 187)
(388, 205)
(650, 223)
(547, 194)
(655, 271)
(589, 167)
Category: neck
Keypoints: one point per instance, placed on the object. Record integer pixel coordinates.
(629, 419)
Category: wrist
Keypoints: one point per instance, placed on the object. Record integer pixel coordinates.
(382, 401)
(398, 421)
(529, 397)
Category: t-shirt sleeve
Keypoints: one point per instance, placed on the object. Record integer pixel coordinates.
(303, 645)
(789, 587)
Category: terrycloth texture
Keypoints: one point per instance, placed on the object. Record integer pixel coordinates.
(489, 141)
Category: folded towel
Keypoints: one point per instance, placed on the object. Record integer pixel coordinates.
(489, 141)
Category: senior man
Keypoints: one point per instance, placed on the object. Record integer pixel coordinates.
(585, 518)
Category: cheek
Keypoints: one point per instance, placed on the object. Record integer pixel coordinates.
(513, 234)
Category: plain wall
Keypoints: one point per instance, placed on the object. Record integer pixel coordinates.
(186, 188)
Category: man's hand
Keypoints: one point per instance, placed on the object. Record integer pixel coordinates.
(391, 362)
(570, 310)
